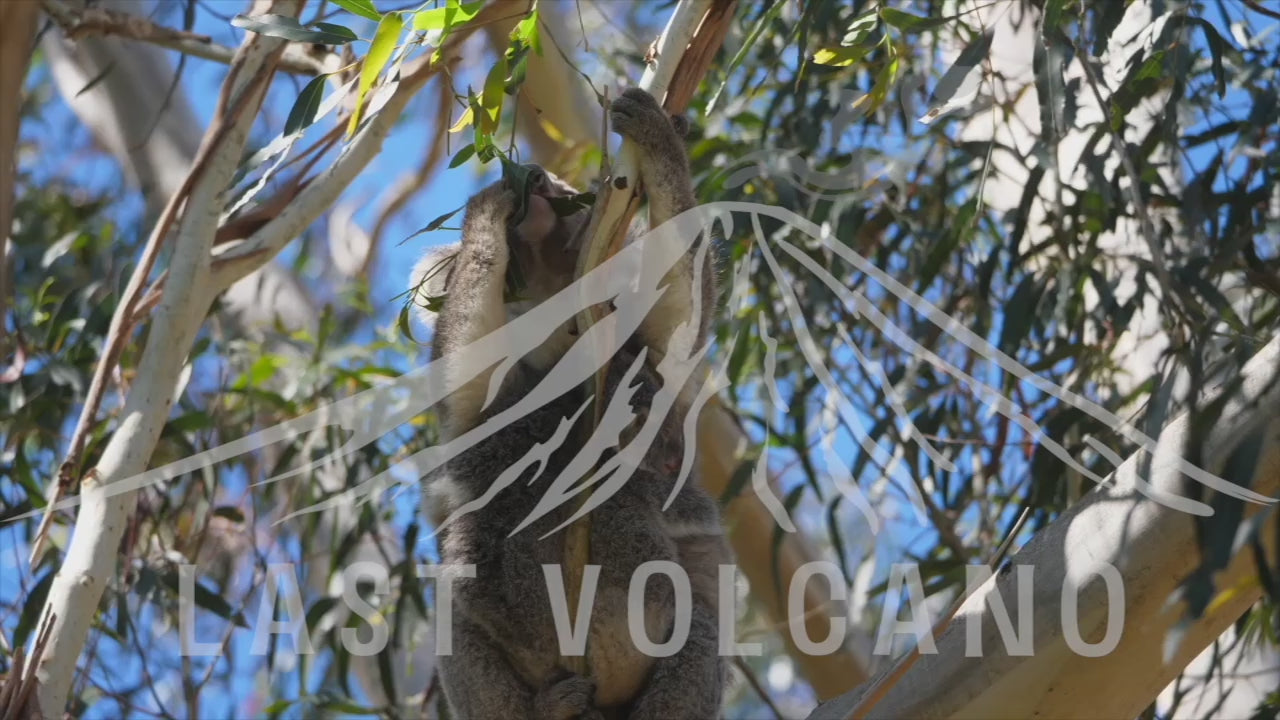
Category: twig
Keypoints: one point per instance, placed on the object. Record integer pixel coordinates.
(1255, 6)
(79, 23)
(754, 682)
(15, 692)
(324, 189)
(884, 683)
(91, 556)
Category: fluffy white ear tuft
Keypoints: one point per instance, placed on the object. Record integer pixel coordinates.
(429, 278)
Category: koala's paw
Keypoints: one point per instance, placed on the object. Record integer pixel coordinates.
(566, 698)
(637, 116)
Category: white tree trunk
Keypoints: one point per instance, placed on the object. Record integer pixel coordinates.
(1061, 684)
(1153, 548)
(90, 559)
(119, 110)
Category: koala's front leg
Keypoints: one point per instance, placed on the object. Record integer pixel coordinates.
(659, 138)
(474, 304)
(664, 172)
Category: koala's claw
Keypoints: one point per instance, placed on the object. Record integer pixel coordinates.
(637, 115)
(643, 97)
(569, 698)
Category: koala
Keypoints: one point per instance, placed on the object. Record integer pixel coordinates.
(506, 660)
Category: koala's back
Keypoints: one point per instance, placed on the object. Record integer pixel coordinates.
(509, 595)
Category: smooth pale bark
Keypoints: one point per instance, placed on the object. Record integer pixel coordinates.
(751, 530)
(1140, 344)
(114, 108)
(90, 559)
(117, 110)
(1153, 548)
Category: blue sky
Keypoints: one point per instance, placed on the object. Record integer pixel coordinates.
(402, 153)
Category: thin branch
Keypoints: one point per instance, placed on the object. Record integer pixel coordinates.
(79, 23)
(1257, 7)
(127, 315)
(325, 188)
(754, 682)
(1158, 260)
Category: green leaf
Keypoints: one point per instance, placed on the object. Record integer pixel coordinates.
(207, 600)
(341, 30)
(384, 43)
(526, 32)
(363, 8)
(522, 179)
(1053, 13)
(1020, 312)
(859, 29)
(519, 67)
(32, 608)
(885, 81)
(306, 106)
(58, 248)
(278, 707)
(839, 56)
(907, 22)
(436, 223)
(446, 18)
(283, 26)
(402, 322)
(768, 17)
(485, 151)
(945, 250)
(1217, 45)
(229, 512)
(492, 97)
(569, 204)
(462, 156)
(318, 609)
(190, 422)
(348, 707)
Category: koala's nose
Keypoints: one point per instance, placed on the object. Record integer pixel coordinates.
(538, 180)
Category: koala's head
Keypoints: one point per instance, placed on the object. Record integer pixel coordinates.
(545, 238)
(544, 234)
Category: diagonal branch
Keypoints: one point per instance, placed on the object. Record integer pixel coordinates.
(323, 191)
(1118, 529)
(91, 556)
(84, 22)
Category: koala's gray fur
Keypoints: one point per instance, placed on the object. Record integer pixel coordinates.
(506, 659)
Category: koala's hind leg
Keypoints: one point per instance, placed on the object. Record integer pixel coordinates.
(689, 684)
(480, 684)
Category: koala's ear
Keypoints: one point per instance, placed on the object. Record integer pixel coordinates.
(680, 124)
(428, 280)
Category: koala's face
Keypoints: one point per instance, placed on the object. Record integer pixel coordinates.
(544, 245)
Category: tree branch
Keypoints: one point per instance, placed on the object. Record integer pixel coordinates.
(323, 191)
(79, 23)
(90, 560)
(1153, 546)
